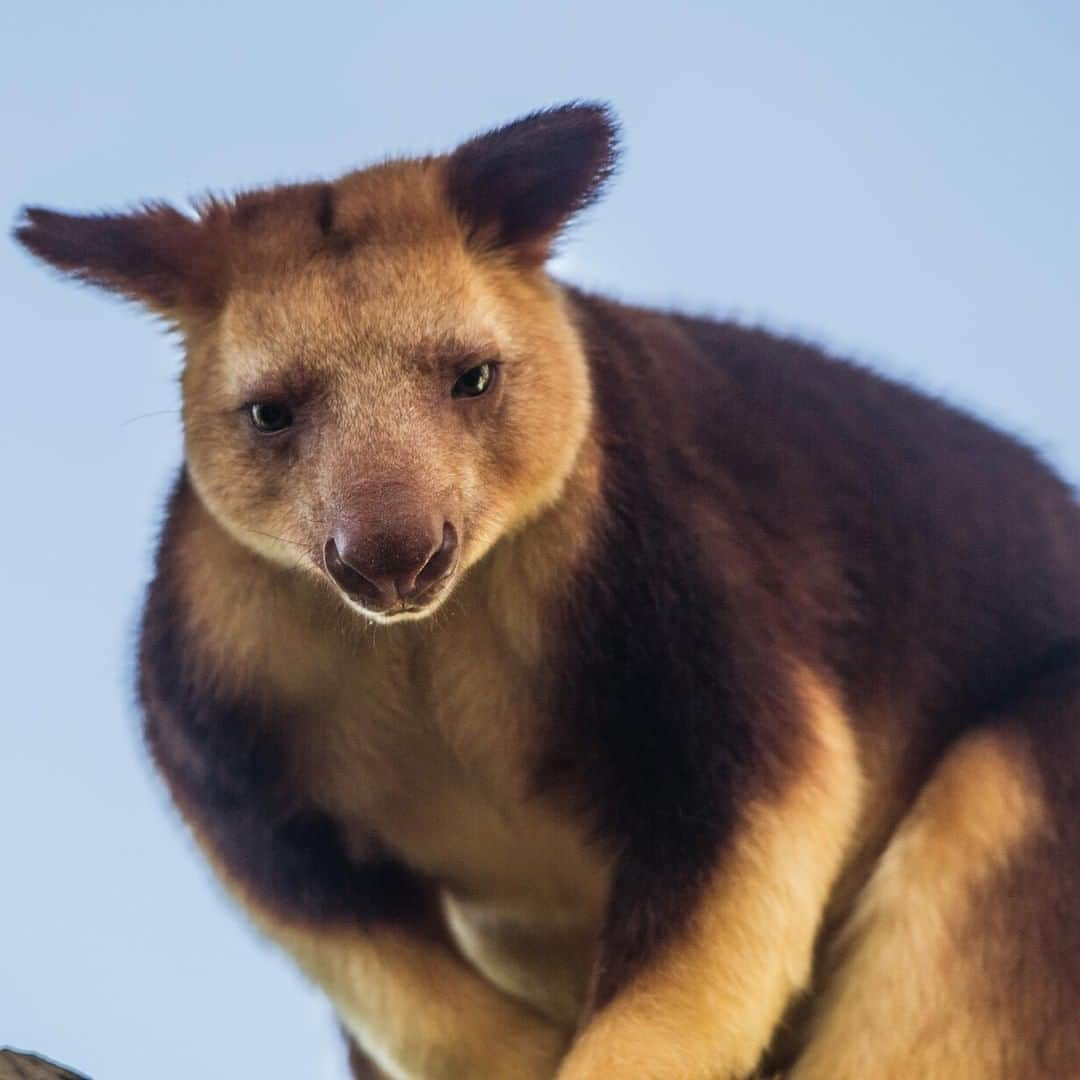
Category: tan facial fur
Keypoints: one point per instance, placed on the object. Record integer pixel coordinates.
(365, 344)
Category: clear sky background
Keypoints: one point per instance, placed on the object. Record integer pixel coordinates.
(900, 182)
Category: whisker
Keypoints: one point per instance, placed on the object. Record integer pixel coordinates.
(144, 416)
(282, 540)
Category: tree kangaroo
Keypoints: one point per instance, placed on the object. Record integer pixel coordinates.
(582, 690)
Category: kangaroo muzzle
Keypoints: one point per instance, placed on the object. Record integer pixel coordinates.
(390, 566)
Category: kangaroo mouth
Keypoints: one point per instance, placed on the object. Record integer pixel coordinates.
(411, 609)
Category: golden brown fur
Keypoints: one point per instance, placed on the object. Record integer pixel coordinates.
(982, 805)
(711, 1001)
(739, 736)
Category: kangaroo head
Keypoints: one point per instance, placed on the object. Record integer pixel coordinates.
(380, 379)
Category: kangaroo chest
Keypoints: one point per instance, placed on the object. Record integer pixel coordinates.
(425, 748)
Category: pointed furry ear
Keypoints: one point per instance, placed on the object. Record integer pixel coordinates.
(519, 185)
(154, 255)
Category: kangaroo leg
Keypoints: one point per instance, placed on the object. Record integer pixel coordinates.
(410, 1006)
(962, 958)
(704, 1006)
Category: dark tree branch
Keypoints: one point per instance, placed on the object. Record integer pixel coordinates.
(15, 1065)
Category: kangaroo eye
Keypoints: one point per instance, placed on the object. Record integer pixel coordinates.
(475, 381)
(270, 416)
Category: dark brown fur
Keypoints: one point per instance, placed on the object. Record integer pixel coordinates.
(748, 525)
(928, 561)
(228, 774)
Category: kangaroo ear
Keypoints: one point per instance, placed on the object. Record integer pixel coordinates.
(519, 185)
(154, 255)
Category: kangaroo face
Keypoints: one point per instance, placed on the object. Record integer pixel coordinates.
(381, 415)
(381, 380)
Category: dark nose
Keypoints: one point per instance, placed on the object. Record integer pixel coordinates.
(381, 571)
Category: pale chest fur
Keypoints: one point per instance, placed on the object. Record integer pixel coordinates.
(419, 739)
(424, 747)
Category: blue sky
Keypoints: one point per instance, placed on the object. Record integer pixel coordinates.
(898, 182)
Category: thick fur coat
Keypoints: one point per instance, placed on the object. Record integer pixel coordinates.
(581, 690)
